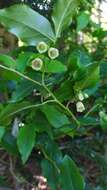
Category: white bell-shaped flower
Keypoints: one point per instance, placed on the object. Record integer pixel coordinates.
(80, 107)
(81, 96)
(42, 47)
(53, 53)
(37, 64)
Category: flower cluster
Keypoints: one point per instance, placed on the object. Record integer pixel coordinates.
(42, 47)
(79, 105)
(81, 96)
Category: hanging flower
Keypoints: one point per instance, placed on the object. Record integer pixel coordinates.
(86, 95)
(53, 53)
(81, 96)
(42, 47)
(37, 64)
(80, 107)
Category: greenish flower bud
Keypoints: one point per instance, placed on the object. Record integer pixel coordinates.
(37, 64)
(102, 114)
(53, 53)
(42, 47)
(80, 107)
(80, 96)
(86, 95)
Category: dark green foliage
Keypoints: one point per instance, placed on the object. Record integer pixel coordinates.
(61, 107)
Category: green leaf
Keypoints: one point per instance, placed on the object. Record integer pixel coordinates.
(26, 141)
(23, 89)
(51, 174)
(88, 121)
(50, 148)
(7, 60)
(11, 109)
(42, 125)
(29, 25)
(54, 116)
(22, 61)
(70, 177)
(54, 66)
(91, 79)
(103, 121)
(103, 68)
(8, 75)
(26, 87)
(62, 14)
(65, 131)
(2, 131)
(82, 21)
(65, 91)
(9, 143)
(78, 56)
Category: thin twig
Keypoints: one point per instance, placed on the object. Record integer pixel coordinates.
(68, 111)
(91, 110)
(20, 74)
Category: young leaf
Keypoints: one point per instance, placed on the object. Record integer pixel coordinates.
(54, 116)
(62, 14)
(29, 25)
(9, 143)
(73, 179)
(26, 141)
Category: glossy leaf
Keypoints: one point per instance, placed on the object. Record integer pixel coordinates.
(73, 179)
(29, 25)
(11, 109)
(54, 116)
(54, 66)
(7, 60)
(22, 61)
(51, 149)
(23, 89)
(62, 14)
(26, 141)
(42, 125)
(51, 173)
(65, 91)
